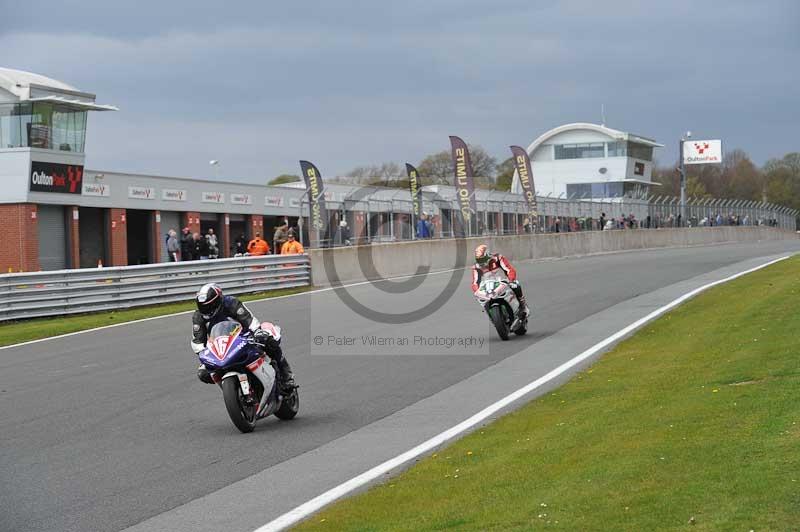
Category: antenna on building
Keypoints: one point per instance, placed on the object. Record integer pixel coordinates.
(603, 114)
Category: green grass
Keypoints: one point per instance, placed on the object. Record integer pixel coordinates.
(696, 416)
(34, 329)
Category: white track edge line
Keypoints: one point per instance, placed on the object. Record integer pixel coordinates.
(310, 507)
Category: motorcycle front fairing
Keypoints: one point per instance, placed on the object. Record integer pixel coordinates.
(228, 347)
(496, 288)
(229, 353)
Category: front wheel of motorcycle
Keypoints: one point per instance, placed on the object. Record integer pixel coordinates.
(289, 406)
(496, 315)
(243, 416)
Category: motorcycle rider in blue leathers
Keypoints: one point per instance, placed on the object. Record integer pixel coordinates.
(213, 307)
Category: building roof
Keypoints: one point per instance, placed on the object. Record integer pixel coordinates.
(27, 86)
(613, 133)
(576, 126)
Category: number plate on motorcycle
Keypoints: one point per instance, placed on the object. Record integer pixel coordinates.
(245, 384)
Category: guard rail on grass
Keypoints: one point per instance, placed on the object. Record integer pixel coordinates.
(38, 294)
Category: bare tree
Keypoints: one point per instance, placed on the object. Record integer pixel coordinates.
(439, 166)
(375, 173)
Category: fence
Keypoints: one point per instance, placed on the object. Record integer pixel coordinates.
(388, 218)
(28, 295)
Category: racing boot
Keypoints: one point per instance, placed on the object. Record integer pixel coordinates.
(285, 375)
(524, 310)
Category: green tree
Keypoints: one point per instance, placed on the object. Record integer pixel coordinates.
(284, 178)
(782, 180)
(505, 174)
(695, 188)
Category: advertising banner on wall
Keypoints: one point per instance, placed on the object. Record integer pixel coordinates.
(274, 201)
(96, 189)
(702, 151)
(241, 199)
(522, 164)
(213, 197)
(145, 193)
(55, 177)
(464, 180)
(313, 178)
(172, 194)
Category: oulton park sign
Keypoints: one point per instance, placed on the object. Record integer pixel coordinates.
(702, 151)
(54, 177)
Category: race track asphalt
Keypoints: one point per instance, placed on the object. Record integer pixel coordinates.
(104, 430)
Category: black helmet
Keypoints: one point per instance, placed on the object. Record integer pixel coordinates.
(209, 300)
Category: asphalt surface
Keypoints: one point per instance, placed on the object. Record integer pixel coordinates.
(104, 430)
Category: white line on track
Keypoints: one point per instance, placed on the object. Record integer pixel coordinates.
(306, 509)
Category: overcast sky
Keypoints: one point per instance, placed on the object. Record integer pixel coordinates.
(259, 85)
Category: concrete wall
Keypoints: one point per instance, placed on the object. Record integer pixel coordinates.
(405, 257)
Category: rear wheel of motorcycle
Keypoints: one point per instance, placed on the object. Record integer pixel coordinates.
(496, 314)
(243, 417)
(289, 406)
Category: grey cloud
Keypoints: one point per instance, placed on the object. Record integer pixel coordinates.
(349, 83)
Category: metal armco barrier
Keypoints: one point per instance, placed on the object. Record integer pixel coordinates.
(38, 294)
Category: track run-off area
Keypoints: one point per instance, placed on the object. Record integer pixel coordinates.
(110, 429)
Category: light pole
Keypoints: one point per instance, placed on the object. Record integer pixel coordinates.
(682, 171)
(215, 164)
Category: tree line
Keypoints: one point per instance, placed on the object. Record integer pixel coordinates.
(435, 169)
(737, 177)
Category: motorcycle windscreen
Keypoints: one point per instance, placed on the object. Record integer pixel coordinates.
(223, 342)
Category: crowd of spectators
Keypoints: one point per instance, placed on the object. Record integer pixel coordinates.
(194, 246)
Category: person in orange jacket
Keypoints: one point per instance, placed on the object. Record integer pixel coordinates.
(258, 246)
(291, 246)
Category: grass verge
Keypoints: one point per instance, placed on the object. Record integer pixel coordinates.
(35, 329)
(694, 422)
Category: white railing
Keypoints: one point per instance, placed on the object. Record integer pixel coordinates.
(54, 293)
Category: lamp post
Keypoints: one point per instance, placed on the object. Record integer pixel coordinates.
(215, 164)
(682, 171)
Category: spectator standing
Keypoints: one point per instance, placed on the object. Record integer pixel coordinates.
(187, 245)
(173, 246)
(291, 246)
(526, 225)
(213, 245)
(199, 247)
(239, 245)
(602, 221)
(344, 233)
(423, 230)
(279, 238)
(258, 246)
